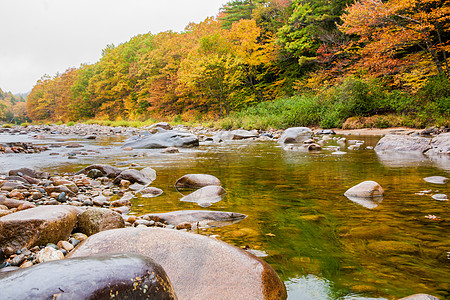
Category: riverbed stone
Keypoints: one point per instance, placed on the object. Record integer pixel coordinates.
(365, 189)
(107, 170)
(238, 134)
(436, 179)
(172, 138)
(95, 219)
(217, 270)
(132, 176)
(440, 197)
(218, 218)
(49, 254)
(11, 203)
(124, 276)
(296, 135)
(206, 195)
(403, 143)
(37, 226)
(197, 181)
(149, 172)
(150, 192)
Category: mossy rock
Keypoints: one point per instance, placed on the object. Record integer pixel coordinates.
(392, 247)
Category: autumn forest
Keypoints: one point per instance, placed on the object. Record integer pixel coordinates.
(271, 63)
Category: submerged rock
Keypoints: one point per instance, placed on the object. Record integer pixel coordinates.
(217, 270)
(367, 193)
(166, 139)
(197, 181)
(121, 276)
(436, 179)
(37, 226)
(217, 218)
(206, 196)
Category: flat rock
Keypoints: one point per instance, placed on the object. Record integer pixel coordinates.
(95, 219)
(126, 276)
(217, 218)
(150, 192)
(206, 195)
(403, 143)
(172, 138)
(238, 134)
(37, 226)
(199, 267)
(133, 176)
(11, 203)
(108, 171)
(296, 135)
(197, 181)
(436, 179)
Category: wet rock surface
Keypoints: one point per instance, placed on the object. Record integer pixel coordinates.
(36, 226)
(196, 216)
(205, 196)
(217, 266)
(124, 276)
(95, 219)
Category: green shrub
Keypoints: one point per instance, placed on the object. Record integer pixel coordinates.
(71, 123)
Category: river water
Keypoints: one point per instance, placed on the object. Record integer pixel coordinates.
(323, 245)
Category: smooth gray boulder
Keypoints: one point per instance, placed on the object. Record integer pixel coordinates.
(198, 266)
(196, 181)
(205, 196)
(367, 193)
(436, 179)
(295, 135)
(238, 134)
(107, 276)
(403, 143)
(37, 226)
(205, 217)
(420, 297)
(172, 138)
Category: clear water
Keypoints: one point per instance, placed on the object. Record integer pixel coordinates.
(322, 245)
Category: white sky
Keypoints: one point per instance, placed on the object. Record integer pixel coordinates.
(40, 37)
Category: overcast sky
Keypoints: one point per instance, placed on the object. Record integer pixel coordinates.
(40, 37)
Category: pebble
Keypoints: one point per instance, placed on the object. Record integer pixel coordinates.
(440, 197)
(436, 179)
(49, 254)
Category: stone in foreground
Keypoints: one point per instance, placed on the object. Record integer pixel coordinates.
(94, 220)
(37, 226)
(420, 297)
(198, 266)
(166, 139)
(119, 276)
(196, 181)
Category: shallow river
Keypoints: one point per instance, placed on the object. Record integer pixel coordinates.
(322, 245)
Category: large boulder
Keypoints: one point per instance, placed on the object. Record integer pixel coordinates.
(403, 143)
(108, 171)
(440, 144)
(121, 276)
(295, 135)
(94, 220)
(205, 196)
(172, 138)
(37, 226)
(205, 217)
(198, 266)
(196, 181)
(420, 297)
(133, 176)
(238, 134)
